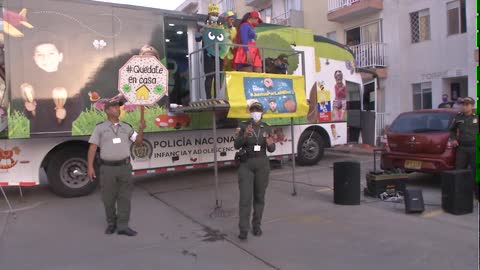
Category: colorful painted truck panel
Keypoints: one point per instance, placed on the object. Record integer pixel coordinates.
(61, 63)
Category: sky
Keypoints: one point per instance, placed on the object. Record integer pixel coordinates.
(163, 4)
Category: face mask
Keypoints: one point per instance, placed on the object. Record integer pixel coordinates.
(444, 99)
(256, 116)
(213, 18)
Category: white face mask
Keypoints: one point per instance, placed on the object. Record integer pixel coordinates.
(256, 116)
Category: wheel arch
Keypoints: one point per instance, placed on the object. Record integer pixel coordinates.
(320, 130)
(66, 144)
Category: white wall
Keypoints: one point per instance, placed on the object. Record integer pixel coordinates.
(471, 46)
(441, 57)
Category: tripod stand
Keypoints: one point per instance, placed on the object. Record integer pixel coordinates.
(10, 209)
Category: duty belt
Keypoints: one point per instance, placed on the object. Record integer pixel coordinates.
(121, 162)
(467, 143)
(256, 154)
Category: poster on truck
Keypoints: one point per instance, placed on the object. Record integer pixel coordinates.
(64, 61)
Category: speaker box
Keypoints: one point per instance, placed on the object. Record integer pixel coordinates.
(346, 183)
(414, 201)
(457, 192)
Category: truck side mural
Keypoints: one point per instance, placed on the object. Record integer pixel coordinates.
(61, 61)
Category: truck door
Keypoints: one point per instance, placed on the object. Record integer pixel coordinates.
(353, 111)
(179, 43)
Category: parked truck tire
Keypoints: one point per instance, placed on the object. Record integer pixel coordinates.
(67, 172)
(311, 148)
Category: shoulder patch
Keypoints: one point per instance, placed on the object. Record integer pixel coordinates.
(128, 124)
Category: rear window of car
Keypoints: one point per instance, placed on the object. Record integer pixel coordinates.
(422, 122)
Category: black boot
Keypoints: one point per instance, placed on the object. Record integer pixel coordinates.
(257, 231)
(110, 229)
(243, 235)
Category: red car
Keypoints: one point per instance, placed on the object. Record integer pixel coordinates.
(419, 141)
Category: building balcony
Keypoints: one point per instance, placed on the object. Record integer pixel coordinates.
(371, 55)
(292, 18)
(189, 6)
(258, 3)
(345, 10)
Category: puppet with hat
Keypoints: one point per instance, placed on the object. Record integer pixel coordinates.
(213, 31)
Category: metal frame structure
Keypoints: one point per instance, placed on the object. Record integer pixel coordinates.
(201, 106)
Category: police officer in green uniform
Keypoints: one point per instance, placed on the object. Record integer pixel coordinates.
(255, 138)
(114, 138)
(466, 123)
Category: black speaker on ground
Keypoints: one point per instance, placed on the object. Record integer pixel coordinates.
(414, 201)
(346, 183)
(457, 192)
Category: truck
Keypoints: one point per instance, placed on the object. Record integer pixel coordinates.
(60, 63)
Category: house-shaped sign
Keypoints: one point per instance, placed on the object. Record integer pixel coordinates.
(143, 80)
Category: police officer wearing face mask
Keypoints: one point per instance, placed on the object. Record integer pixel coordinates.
(465, 125)
(255, 138)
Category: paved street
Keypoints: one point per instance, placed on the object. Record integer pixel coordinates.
(179, 229)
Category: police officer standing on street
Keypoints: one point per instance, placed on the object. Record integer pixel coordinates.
(114, 138)
(466, 123)
(254, 138)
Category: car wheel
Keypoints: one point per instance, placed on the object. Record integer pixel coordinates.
(311, 148)
(67, 173)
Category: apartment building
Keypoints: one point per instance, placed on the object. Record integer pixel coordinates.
(420, 49)
(284, 12)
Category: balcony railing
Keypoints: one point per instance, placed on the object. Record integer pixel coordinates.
(338, 4)
(371, 54)
(258, 3)
(342, 11)
(291, 18)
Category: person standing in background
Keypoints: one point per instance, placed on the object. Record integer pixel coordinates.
(466, 125)
(446, 104)
(230, 18)
(248, 58)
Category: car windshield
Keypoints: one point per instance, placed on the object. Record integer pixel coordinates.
(422, 122)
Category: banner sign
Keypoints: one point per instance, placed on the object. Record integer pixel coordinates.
(282, 96)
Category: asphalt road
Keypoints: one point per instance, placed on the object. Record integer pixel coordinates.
(180, 228)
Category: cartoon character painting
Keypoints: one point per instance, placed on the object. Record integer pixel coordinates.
(340, 102)
(11, 23)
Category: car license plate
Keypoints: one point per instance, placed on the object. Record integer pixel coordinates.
(413, 164)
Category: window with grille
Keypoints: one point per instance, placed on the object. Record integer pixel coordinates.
(420, 25)
(422, 95)
(456, 17)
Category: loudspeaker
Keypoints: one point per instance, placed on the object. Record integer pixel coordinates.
(457, 192)
(346, 183)
(414, 201)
